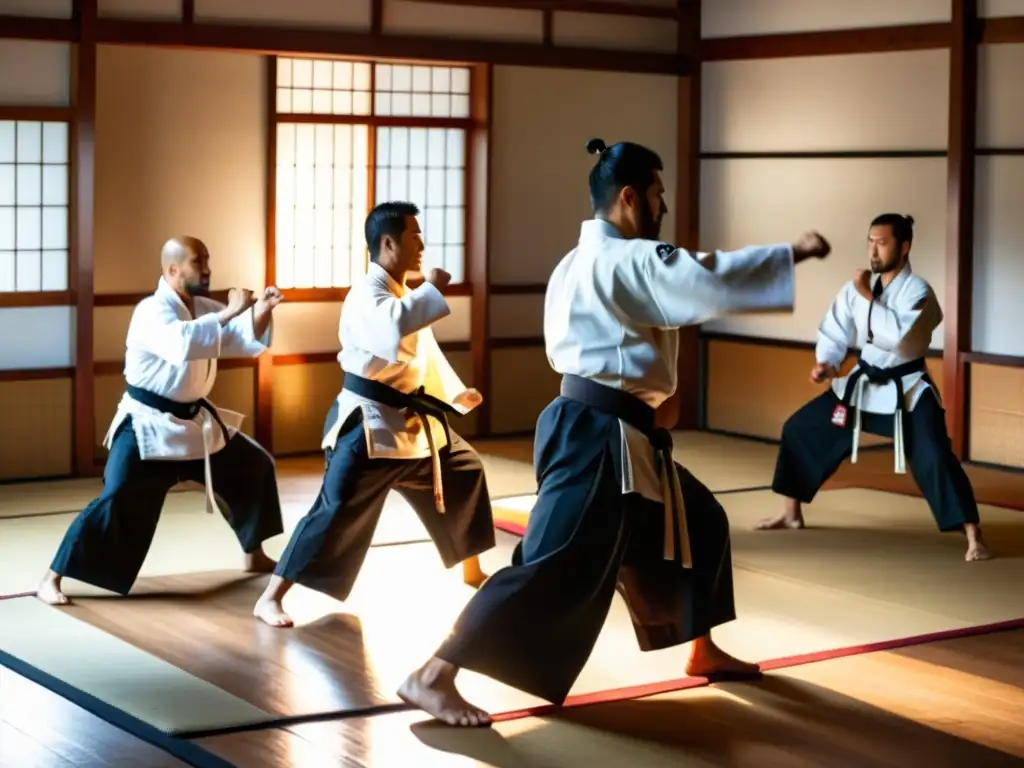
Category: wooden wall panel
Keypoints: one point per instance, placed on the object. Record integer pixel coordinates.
(993, 8)
(542, 119)
(760, 105)
(595, 30)
(163, 10)
(34, 74)
(347, 14)
(408, 17)
(997, 415)
(1000, 97)
(998, 312)
(37, 419)
(726, 18)
(522, 385)
(40, 9)
(517, 315)
(742, 402)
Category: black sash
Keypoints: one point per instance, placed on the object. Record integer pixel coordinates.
(419, 402)
(184, 411)
(877, 375)
(635, 412)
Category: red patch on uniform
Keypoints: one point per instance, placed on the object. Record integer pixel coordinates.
(839, 416)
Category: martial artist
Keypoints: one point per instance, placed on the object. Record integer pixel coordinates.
(614, 510)
(888, 392)
(166, 432)
(388, 428)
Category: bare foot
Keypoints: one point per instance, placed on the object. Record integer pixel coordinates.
(432, 689)
(779, 522)
(708, 660)
(271, 613)
(259, 562)
(976, 548)
(49, 590)
(472, 573)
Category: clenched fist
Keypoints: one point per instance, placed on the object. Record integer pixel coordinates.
(439, 278)
(822, 372)
(240, 299)
(812, 245)
(272, 296)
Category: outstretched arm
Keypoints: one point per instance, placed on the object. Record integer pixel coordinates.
(671, 287)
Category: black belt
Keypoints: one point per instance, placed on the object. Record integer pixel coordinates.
(419, 402)
(639, 415)
(179, 410)
(877, 375)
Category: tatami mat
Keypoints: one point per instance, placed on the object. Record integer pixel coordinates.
(796, 592)
(116, 672)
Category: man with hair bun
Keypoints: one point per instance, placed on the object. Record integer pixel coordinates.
(613, 510)
(888, 392)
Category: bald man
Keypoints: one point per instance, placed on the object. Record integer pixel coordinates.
(165, 431)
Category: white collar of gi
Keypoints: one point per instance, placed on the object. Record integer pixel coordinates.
(594, 229)
(377, 271)
(164, 290)
(899, 279)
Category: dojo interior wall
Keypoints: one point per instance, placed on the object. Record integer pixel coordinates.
(36, 412)
(181, 147)
(757, 113)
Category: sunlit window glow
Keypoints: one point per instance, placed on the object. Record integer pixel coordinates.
(33, 206)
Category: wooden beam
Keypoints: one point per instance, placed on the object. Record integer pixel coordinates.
(263, 386)
(478, 182)
(37, 299)
(83, 159)
(568, 6)
(682, 410)
(960, 163)
(1009, 29)
(911, 37)
(50, 30)
(334, 42)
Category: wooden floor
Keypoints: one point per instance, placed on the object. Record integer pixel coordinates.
(953, 703)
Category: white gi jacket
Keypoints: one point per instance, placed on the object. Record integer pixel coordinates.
(385, 336)
(612, 314)
(172, 354)
(902, 322)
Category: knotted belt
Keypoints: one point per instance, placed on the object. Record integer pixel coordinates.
(420, 403)
(641, 417)
(856, 384)
(187, 411)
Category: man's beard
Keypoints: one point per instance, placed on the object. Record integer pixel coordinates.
(197, 289)
(879, 267)
(650, 227)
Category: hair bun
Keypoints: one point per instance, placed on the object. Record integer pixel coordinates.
(909, 219)
(596, 146)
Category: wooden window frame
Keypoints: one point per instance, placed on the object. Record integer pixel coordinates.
(65, 297)
(470, 159)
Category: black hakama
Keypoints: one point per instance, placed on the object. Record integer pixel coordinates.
(327, 549)
(108, 542)
(534, 624)
(813, 447)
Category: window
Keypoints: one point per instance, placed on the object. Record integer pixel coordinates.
(33, 206)
(352, 134)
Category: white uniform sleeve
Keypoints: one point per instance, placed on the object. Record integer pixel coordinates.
(155, 328)
(914, 315)
(387, 319)
(837, 331)
(670, 288)
(240, 337)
